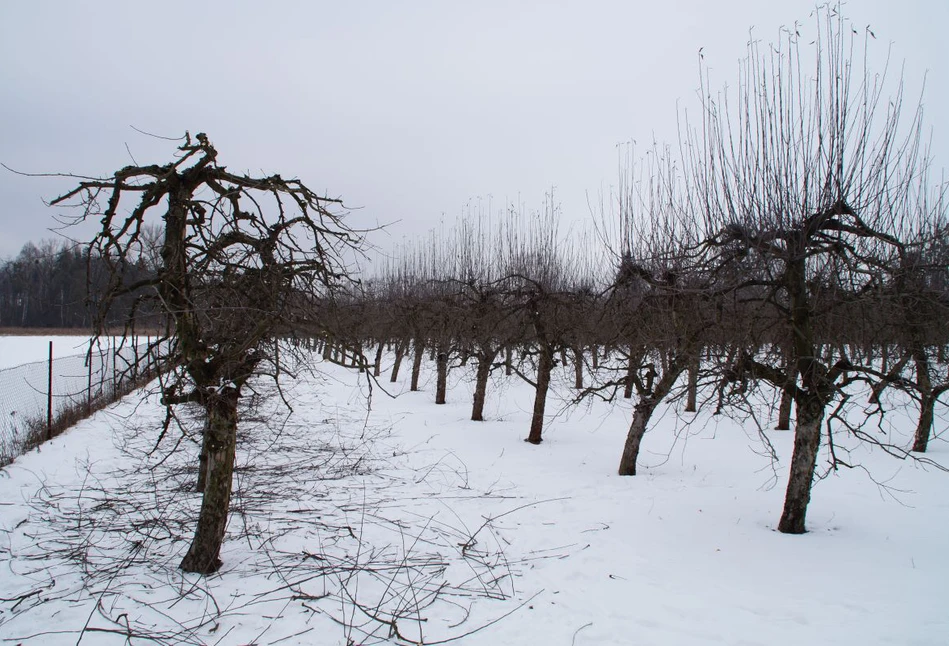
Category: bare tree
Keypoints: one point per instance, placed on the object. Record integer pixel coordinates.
(242, 260)
(920, 291)
(811, 178)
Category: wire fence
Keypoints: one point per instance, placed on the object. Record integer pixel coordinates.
(39, 400)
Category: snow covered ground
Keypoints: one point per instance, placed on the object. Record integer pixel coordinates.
(349, 526)
(16, 349)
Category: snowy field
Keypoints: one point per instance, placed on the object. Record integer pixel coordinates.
(16, 350)
(411, 524)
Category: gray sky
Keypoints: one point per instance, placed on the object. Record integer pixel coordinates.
(407, 110)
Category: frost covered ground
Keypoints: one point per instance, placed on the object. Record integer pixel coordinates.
(349, 526)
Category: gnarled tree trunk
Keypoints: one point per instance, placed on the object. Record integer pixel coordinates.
(221, 438)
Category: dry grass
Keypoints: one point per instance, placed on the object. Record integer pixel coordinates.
(38, 432)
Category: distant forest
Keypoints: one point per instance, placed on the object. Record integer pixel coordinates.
(47, 285)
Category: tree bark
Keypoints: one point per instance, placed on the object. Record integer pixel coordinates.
(417, 363)
(784, 412)
(630, 371)
(441, 383)
(577, 368)
(810, 403)
(692, 388)
(544, 368)
(399, 353)
(787, 398)
(925, 425)
(203, 459)
(810, 415)
(637, 428)
(203, 556)
(481, 384)
(377, 364)
(927, 402)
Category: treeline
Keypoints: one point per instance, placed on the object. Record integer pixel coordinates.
(58, 284)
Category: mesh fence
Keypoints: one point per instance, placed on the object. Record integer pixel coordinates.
(42, 398)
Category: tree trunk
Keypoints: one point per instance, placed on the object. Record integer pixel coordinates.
(441, 384)
(810, 405)
(927, 402)
(577, 368)
(787, 398)
(377, 364)
(925, 425)
(358, 360)
(810, 414)
(595, 356)
(508, 361)
(417, 363)
(399, 353)
(203, 459)
(637, 428)
(544, 367)
(630, 370)
(642, 413)
(481, 384)
(692, 388)
(203, 556)
(784, 412)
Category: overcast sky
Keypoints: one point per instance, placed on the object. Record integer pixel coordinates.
(407, 110)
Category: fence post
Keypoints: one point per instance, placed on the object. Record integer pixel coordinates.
(49, 396)
(89, 381)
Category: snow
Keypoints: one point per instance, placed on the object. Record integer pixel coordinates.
(16, 349)
(420, 497)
